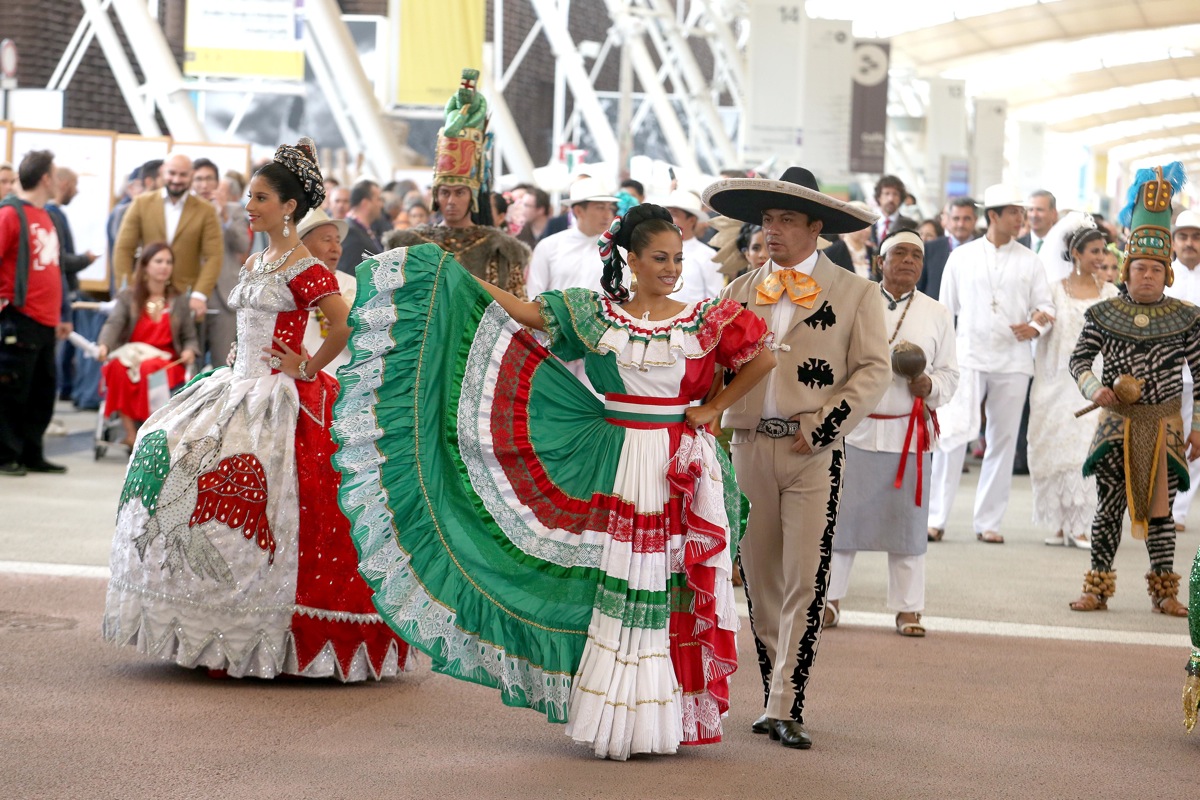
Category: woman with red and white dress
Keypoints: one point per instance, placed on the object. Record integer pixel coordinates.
(231, 552)
(151, 328)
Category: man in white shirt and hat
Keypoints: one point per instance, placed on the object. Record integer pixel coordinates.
(997, 290)
(831, 370)
(701, 277)
(1185, 236)
(888, 454)
(569, 259)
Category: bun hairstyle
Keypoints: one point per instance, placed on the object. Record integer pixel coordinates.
(631, 232)
(1079, 238)
(295, 175)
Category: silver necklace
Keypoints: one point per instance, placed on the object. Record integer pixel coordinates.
(269, 266)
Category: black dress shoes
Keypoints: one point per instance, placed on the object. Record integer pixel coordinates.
(761, 725)
(15, 470)
(789, 733)
(46, 466)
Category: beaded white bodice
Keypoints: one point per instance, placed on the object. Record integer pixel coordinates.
(259, 299)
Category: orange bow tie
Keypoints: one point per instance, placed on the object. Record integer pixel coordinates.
(801, 289)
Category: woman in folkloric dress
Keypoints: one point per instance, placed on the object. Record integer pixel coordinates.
(151, 315)
(1063, 500)
(574, 554)
(230, 551)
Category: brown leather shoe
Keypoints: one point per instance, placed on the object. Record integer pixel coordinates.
(790, 733)
(761, 725)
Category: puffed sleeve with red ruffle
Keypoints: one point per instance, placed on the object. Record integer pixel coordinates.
(312, 284)
(743, 334)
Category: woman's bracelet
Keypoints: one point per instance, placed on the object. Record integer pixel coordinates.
(302, 368)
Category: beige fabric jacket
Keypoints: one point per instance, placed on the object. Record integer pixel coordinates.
(838, 364)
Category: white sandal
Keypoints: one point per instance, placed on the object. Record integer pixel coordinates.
(832, 615)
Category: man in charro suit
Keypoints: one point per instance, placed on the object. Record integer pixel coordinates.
(189, 224)
(833, 366)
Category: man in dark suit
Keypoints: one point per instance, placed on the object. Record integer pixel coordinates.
(1043, 213)
(889, 194)
(366, 204)
(961, 216)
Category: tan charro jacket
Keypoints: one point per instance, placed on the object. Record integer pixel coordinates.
(836, 365)
(198, 247)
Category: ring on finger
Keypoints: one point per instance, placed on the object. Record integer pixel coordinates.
(274, 362)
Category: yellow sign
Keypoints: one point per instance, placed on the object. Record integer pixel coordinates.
(436, 41)
(244, 39)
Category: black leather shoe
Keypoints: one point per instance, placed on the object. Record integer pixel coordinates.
(761, 725)
(789, 733)
(46, 466)
(15, 470)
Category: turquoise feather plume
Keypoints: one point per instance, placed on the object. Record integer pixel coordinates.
(1174, 173)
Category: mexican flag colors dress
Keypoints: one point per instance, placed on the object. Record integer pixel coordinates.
(576, 554)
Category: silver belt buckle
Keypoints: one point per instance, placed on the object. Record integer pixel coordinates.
(778, 428)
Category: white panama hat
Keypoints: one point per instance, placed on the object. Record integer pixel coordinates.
(590, 190)
(685, 201)
(999, 195)
(315, 219)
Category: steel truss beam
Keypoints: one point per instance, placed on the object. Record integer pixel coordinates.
(665, 67)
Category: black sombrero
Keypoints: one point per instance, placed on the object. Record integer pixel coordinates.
(746, 199)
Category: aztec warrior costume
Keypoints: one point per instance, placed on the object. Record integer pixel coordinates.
(462, 160)
(1137, 455)
(230, 551)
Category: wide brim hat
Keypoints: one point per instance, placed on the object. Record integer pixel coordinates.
(590, 190)
(685, 201)
(746, 199)
(1002, 195)
(315, 219)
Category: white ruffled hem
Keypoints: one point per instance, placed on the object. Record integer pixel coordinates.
(624, 698)
(260, 658)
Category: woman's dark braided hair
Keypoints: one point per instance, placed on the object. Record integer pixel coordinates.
(632, 232)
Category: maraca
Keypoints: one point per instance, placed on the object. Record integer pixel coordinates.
(1127, 388)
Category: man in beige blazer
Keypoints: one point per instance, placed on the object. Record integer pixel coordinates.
(833, 366)
(189, 224)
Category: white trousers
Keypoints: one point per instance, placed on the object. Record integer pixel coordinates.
(906, 579)
(1003, 396)
(1183, 500)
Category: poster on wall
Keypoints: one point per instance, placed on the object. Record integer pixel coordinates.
(436, 41)
(90, 154)
(244, 39)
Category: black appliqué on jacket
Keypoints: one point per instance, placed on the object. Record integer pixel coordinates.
(815, 373)
(829, 430)
(824, 317)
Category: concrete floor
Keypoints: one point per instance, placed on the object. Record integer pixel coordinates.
(1010, 695)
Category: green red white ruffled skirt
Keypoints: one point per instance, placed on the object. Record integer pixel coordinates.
(522, 535)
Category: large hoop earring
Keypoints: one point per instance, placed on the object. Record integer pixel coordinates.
(286, 231)
(678, 285)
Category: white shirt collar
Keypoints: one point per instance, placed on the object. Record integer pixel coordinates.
(167, 197)
(805, 266)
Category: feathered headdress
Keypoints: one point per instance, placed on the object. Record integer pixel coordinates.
(1147, 213)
